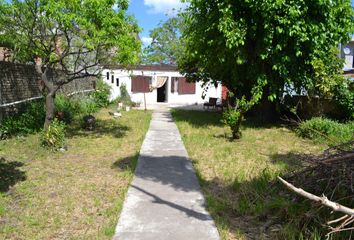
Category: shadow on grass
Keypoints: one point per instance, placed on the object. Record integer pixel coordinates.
(257, 209)
(10, 174)
(204, 118)
(197, 118)
(126, 164)
(110, 127)
(263, 208)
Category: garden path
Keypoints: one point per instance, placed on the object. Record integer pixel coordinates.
(164, 200)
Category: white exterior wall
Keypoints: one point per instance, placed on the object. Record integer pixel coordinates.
(151, 97)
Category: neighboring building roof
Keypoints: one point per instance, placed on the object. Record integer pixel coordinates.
(349, 73)
(152, 67)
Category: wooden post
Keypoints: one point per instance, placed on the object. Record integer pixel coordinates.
(145, 101)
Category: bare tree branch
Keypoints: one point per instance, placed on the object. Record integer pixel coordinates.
(323, 200)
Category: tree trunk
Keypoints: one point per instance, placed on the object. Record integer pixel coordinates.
(50, 108)
(50, 87)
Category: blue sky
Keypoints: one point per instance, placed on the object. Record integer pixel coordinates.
(150, 13)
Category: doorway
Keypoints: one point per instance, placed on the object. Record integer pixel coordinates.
(161, 93)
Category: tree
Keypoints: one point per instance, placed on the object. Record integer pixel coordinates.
(166, 45)
(67, 40)
(261, 48)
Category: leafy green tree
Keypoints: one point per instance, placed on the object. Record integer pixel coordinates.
(261, 48)
(166, 44)
(67, 40)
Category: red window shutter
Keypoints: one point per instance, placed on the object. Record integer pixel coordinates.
(140, 84)
(185, 87)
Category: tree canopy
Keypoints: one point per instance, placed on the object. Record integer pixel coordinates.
(71, 37)
(262, 47)
(166, 44)
(242, 42)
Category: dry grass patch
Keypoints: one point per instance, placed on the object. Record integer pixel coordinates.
(77, 194)
(235, 175)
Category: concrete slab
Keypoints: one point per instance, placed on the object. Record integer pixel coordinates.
(164, 200)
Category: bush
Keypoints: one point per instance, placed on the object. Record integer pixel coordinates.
(124, 96)
(65, 108)
(30, 121)
(326, 130)
(233, 119)
(344, 98)
(87, 106)
(54, 136)
(102, 94)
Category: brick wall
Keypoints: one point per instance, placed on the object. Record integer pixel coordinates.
(19, 82)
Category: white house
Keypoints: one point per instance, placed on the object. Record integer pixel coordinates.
(347, 53)
(159, 83)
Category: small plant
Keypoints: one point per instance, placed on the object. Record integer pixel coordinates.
(326, 130)
(124, 96)
(88, 106)
(30, 121)
(344, 98)
(233, 119)
(102, 94)
(65, 108)
(233, 116)
(54, 136)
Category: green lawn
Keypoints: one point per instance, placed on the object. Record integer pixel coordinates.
(236, 176)
(77, 194)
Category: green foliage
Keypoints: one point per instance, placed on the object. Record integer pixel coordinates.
(76, 37)
(284, 43)
(166, 45)
(54, 136)
(326, 130)
(233, 119)
(87, 106)
(233, 116)
(327, 74)
(30, 121)
(90, 29)
(124, 96)
(102, 94)
(344, 98)
(68, 108)
(65, 108)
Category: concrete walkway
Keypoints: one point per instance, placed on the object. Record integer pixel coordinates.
(164, 201)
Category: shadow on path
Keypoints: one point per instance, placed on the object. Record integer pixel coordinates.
(188, 212)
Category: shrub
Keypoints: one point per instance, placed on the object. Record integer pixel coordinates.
(102, 94)
(344, 98)
(233, 119)
(65, 108)
(54, 136)
(326, 130)
(87, 106)
(30, 121)
(124, 96)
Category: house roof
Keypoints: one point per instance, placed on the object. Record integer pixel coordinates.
(349, 73)
(151, 67)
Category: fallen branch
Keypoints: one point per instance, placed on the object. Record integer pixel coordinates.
(323, 200)
(348, 156)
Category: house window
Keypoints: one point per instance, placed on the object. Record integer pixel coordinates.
(140, 84)
(174, 84)
(117, 82)
(112, 79)
(107, 74)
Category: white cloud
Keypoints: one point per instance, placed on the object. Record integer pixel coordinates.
(146, 40)
(169, 7)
